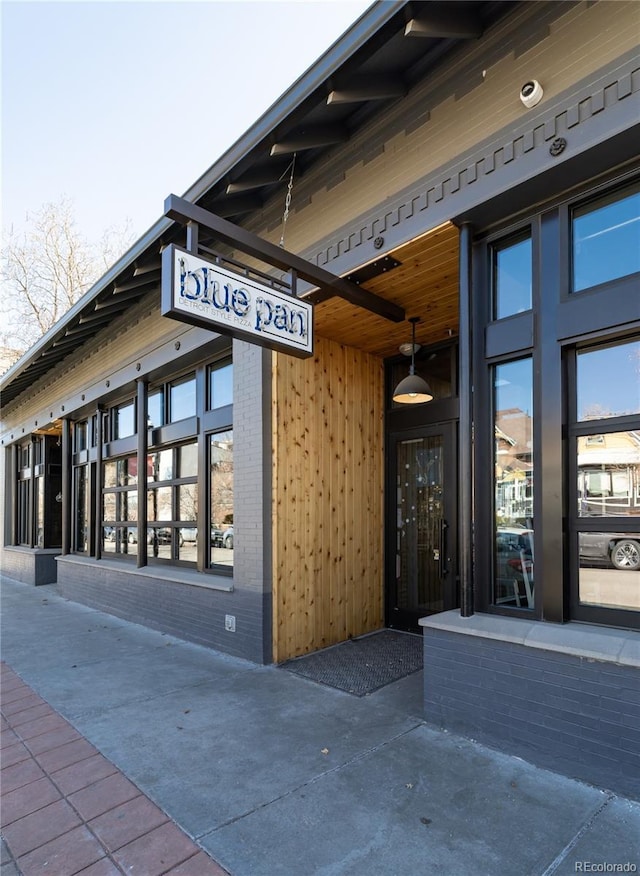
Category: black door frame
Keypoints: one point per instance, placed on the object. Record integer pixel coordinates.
(407, 619)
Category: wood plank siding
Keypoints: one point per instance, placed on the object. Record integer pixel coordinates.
(327, 498)
(425, 283)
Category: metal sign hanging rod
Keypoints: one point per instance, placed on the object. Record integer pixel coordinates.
(185, 212)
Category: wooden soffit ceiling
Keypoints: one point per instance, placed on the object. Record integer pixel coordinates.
(425, 284)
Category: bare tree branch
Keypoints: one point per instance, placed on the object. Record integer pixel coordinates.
(47, 268)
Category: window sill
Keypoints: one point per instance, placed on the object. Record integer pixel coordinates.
(24, 549)
(164, 573)
(580, 640)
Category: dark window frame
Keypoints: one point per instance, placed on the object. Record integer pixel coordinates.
(169, 435)
(211, 368)
(176, 523)
(577, 524)
(501, 243)
(493, 601)
(217, 568)
(559, 321)
(603, 193)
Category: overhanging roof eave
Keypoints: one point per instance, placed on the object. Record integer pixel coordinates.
(35, 352)
(375, 17)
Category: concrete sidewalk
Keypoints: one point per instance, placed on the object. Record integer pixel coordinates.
(272, 774)
(66, 809)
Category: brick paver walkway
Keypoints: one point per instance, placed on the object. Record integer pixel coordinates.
(66, 809)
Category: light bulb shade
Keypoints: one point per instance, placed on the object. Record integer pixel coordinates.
(413, 390)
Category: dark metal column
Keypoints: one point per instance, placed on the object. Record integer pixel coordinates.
(548, 425)
(204, 521)
(465, 434)
(98, 483)
(12, 487)
(66, 486)
(31, 501)
(143, 449)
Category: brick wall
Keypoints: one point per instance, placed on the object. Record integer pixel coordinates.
(574, 715)
(28, 565)
(196, 614)
(252, 497)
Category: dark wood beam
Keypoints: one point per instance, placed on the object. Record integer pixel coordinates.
(236, 206)
(146, 268)
(256, 179)
(310, 138)
(116, 301)
(239, 238)
(91, 324)
(374, 88)
(138, 282)
(62, 344)
(453, 24)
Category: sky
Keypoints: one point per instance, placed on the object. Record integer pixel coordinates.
(115, 105)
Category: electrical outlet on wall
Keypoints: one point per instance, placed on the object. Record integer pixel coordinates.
(230, 622)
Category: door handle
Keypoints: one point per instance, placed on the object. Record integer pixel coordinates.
(442, 549)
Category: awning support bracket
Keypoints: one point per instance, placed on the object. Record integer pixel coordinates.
(187, 213)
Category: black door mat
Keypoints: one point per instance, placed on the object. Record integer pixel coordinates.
(361, 666)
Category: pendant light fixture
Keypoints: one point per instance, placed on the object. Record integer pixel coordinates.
(413, 390)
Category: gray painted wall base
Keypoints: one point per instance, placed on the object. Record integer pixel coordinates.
(30, 565)
(194, 613)
(575, 715)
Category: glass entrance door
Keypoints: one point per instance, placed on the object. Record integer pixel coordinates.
(421, 526)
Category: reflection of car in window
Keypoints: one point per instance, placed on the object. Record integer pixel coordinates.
(155, 534)
(513, 548)
(188, 534)
(514, 566)
(619, 549)
(222, 537)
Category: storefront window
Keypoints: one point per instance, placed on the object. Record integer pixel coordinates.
(606, 239)
(609, 475)
(609, 381)
(221, 502)
(172, 503)
(609, 569)
(188, 460)
(81, 509)
(513, 484)
(606, 526)
(23, 533)
(37, 512)
(120, 506)
(160, 465)
(220, 385)
(182, 399)
(80, 436)
(512, 278)
(155, 409)
(124, 421)
(39, 509)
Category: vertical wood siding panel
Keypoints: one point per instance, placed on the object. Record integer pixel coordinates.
(327, 504)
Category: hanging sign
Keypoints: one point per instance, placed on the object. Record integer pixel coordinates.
(200, 292)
